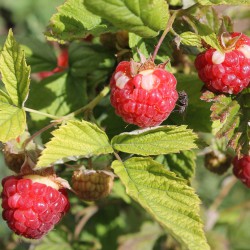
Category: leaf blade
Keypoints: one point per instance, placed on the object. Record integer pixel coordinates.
(14, 70)
(145, 18)
(12, 119)
(73, 141)
(73, 21)
(159, 140)
(167, 198)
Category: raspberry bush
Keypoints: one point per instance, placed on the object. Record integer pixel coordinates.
(125, 125)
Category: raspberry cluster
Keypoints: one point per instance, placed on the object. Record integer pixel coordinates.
(228, 71)
(32, 204)
(241, 169)
(145, 98)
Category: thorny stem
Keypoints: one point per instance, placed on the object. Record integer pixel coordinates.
(169, 26)
(41, 113)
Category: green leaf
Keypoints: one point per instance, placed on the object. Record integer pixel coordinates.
(212, 40)
(192, 85)
(76, 139)
(12, 119)
(73, 21)
(63, 94)
(14, 70)
(230, 119)
(142, 17)
(146, 46)
(221, 2)
(39, 55)
(225, 114)
(166, 197)
(190, 39)
(205, 32)
(155, 141)
(183, 163)
(87, 59)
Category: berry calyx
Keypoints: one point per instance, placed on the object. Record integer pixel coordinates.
(241, 169)
(142, 93)
(32, 204)
(226, 71)
(91, 185)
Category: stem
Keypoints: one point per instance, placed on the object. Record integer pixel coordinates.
(169, 26)
(117, 156)
(212, 212)
(41, 113)
(38, 133)
(90, 105)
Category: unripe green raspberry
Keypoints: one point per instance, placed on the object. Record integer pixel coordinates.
(91, 185)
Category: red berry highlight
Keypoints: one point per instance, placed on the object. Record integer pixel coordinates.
(30, 208)
(144, 98)
(227, 72)
(241, 169)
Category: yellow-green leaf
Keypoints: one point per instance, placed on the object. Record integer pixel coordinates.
(166, 197)
(14, 70)
(12, 119)
(155, 141)
(76, 139)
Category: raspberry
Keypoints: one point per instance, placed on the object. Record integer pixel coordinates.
(91, 185)
(217, 162)
(241, 169)
(144, 96)
(227, 72)
(32, 204)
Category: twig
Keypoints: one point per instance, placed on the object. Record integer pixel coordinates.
(212, 212)
(169, 26)
(88, 213)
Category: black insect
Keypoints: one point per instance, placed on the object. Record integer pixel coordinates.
(182, 102)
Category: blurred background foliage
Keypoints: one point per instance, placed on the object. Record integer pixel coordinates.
(116, 222)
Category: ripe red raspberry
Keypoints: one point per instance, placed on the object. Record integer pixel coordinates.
(32, 204)
(227, 72)
(144, 96)
(91, 185)
(241, 169)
